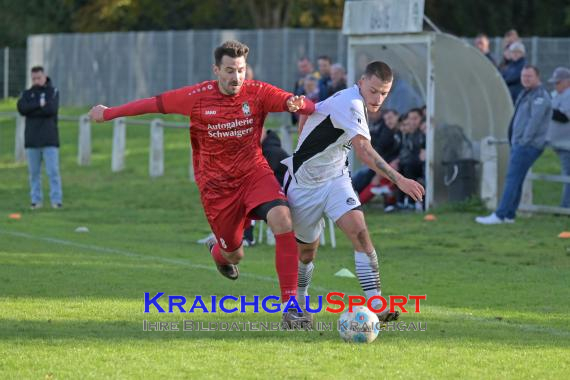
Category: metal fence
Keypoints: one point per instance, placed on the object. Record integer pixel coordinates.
(115, 67)
(12, 71)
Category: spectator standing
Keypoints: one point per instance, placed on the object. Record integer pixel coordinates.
(529, 125)
(311, 88)
(558, 135)
(482, 43)
(338, 79)
(512, 72)
(304, 68)
(510, 37)
(325, 81)
(39, 104)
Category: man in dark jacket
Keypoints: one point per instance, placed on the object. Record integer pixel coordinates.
(482, 43)
(39, 105)
(512, 72)
(411, 159)
(274, 153)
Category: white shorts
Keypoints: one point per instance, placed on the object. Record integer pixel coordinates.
(308, 205)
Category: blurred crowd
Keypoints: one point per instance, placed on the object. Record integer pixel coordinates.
(540, 119)
(399, 137)
(398, 130)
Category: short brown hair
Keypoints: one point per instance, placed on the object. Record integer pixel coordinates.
(536, 70)
(380, 70)
(37, 69)
(232, 48)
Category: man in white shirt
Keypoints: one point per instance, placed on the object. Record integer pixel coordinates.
(317, 181)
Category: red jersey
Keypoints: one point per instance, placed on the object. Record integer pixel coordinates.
(225, 130)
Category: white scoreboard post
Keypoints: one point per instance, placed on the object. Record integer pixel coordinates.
(383, 17)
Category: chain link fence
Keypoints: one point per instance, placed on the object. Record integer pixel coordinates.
(12, 71)
(113, 68)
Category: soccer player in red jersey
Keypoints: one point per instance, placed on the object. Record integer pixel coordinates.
(235, 182)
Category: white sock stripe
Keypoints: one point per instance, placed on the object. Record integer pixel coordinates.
(366, 266)
(305, 275)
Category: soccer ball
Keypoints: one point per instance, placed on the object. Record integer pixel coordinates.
(359, 326)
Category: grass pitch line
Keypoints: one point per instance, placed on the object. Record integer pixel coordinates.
(114, 251)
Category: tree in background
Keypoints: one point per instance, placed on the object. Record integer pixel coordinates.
(18, 19)
(528, 17)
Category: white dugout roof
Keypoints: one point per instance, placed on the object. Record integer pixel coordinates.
(459, 86)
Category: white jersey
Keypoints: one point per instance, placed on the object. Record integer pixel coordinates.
(325, 141)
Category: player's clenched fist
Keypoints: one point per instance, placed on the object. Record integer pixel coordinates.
(96, 113)
(295, 103)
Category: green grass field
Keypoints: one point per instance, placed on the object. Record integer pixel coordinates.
(71, 304)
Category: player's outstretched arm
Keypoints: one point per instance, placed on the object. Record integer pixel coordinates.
(278, 100)
(374, 161)
(101, 113)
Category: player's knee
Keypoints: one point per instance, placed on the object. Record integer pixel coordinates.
(357, 230)
(359, 233)
(307, 256)
(279, 219)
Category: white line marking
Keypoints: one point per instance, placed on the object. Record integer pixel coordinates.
(122, 252)
(439, 310)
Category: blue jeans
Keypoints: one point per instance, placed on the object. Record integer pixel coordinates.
(521, 160)
(564, 156)
(50, 155)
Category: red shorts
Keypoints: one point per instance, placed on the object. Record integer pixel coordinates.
(230, 215)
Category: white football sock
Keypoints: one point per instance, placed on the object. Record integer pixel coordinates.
(304, 281)
(368, 275)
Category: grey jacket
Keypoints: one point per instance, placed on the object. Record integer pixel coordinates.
(533, 111)
(559, 132)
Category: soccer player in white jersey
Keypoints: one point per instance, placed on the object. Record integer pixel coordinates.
(317, 181)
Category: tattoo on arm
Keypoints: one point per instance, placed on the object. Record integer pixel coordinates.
(370, 157)
(386, 169)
